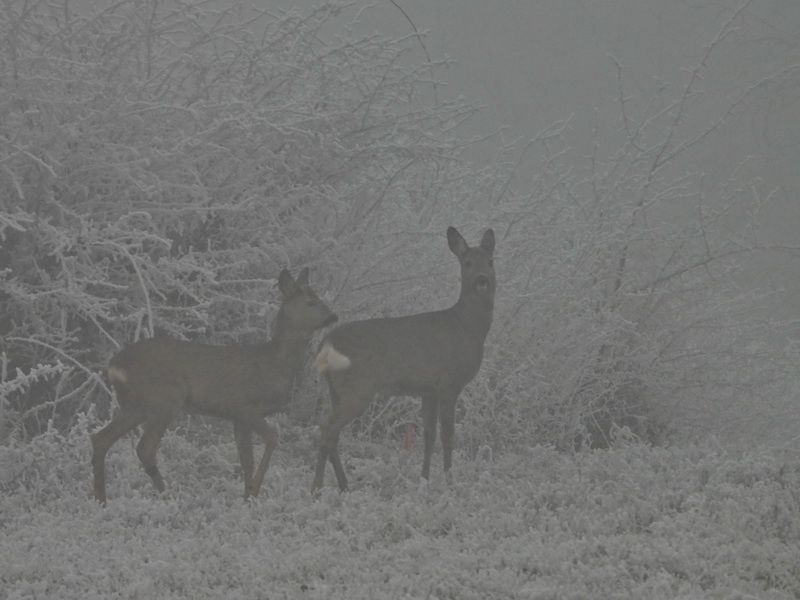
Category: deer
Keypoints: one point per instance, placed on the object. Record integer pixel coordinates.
(431, 355)
(156, 378)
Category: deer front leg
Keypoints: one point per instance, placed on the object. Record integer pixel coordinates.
(244, 445)
(429, 416)
(269, 434)
(447, 417)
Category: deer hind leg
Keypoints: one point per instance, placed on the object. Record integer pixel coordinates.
(154, 428)
(122, 423)
(429, 417)
(269, 434)
(319, 470)
(336, 462)
(329, 450)
(341, 414)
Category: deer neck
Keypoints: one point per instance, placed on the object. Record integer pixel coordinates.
(475, 312)
(289, 343)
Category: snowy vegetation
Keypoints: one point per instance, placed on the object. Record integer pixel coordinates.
(630, 522)
(162, 161)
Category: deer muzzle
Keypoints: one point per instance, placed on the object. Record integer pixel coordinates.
(482, 283)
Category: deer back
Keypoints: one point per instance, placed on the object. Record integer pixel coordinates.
(164, 375)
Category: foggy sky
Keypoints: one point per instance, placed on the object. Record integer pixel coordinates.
(535, 63)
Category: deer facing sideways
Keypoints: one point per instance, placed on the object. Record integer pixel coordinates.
(432, 355)
(154, 379)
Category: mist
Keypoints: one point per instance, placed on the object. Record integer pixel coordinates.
(630, 429)
(535, 64)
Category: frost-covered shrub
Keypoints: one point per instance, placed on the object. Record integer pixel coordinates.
(619, 310)
(162, 161)
(165, 160)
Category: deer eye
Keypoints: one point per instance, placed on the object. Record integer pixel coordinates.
(311, 303)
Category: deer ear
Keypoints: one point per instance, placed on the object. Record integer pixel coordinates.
(285, 283)
(487, 242)
(456, 242)
(302, 278)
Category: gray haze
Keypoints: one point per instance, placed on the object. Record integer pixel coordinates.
(536, 63)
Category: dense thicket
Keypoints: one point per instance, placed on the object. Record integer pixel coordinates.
(161, 161)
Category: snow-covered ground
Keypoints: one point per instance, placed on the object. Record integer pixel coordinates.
(631, 522)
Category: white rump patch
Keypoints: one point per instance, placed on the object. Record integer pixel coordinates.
(117, 374)
(330, 359)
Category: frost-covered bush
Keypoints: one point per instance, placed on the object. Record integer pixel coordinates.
(619, 311)
(162, 161)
